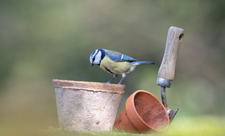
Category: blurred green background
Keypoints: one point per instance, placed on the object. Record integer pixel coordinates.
(41, 40)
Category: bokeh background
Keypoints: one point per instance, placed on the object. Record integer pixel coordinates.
(41, 40)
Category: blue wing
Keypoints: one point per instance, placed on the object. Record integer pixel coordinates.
(119, 57)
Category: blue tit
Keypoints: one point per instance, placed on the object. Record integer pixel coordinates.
(115, 63)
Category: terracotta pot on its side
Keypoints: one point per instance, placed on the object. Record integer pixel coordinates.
(142, 113)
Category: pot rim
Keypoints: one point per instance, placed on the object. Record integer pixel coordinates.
(90, 86)
(132, 106)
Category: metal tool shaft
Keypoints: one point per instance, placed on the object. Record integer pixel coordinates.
(163, 96)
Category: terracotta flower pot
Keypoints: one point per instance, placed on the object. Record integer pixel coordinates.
(87, 105)
(142, 113)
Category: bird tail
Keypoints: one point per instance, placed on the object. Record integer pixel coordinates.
(145, 62)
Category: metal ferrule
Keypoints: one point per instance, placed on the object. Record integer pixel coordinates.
(164, 82)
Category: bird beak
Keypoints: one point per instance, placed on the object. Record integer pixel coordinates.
(91, 64)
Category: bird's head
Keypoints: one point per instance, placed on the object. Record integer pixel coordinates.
(96, 57)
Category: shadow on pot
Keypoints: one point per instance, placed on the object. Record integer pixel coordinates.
(143, 113)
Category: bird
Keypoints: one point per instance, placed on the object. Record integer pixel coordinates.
(115, 62)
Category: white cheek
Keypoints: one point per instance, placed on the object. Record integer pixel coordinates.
(97, 58)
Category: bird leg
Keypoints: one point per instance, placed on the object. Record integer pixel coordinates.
(114, 76)
(123, 76)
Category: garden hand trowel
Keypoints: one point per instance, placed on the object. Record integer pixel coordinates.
(167, 69)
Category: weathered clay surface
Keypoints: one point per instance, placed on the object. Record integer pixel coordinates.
(87, 105)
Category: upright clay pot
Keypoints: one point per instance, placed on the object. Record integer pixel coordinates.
(87, 105)
(142, 113)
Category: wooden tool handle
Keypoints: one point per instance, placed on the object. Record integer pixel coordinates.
(173, 42)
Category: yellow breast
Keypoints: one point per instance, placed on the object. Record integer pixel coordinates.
(115, 67)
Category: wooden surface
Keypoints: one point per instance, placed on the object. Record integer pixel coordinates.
(173, 42)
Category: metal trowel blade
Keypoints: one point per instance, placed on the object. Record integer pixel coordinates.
(172, 113)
